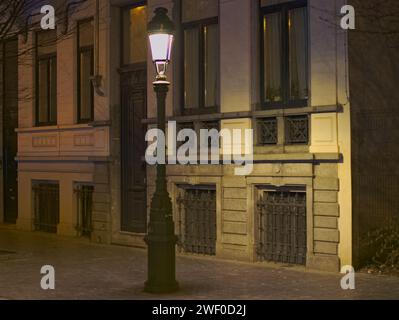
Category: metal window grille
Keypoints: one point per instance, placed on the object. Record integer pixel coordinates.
(282, 227)
(297, 130)
(46, 207)
(84, 195)
(197, 222)
(267, 131)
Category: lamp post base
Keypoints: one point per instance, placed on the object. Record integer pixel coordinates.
(161, 260)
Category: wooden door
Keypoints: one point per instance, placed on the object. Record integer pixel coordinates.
(134, 188)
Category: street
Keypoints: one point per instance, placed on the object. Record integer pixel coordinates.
(84, 270)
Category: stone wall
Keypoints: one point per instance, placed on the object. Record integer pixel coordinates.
(326, 214)
(235, 222)
(101, 204)
(236, 205)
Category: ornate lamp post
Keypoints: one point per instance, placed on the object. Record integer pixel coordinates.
(161, 239)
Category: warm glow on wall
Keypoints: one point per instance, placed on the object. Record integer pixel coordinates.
(264, 24)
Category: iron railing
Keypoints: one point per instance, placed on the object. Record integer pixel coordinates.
(46, 207)
(282, 227)
(197, 219)
(84, 210)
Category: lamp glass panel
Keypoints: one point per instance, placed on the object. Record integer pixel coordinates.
(161, 46)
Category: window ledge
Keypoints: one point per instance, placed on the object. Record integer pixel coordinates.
(297, 158)
(62, 127)
(327, 108)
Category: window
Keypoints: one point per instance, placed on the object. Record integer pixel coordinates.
(267, 131)
(197, 219)
(201, 57)
(85, 71)
(282, 224)
(46, 78)
(84, 195)
(284, 51)
(297, 130)
(134, 35)
(201, 63)
(46, 205)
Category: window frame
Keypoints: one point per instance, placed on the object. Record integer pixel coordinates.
(199, 25)
(283, 9)
(80, 50)
(48, 59)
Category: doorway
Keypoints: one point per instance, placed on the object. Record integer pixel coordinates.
(134, 111)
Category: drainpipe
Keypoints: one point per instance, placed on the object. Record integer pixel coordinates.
(96, 78)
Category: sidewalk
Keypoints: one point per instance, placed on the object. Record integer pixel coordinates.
(89, 271)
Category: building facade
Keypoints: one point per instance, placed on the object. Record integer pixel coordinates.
(85, 101)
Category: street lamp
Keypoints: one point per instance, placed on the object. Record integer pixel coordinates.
(161, 238)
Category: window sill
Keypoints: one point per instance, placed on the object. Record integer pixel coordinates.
(280, 149)
(295, 111)
(281, 112)
(53, 128)
(300, 157)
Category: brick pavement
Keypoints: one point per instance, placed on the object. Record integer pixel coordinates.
(89, 271)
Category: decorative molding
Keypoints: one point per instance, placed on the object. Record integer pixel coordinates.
(70, 142)
(83, 140)
(44, 141)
